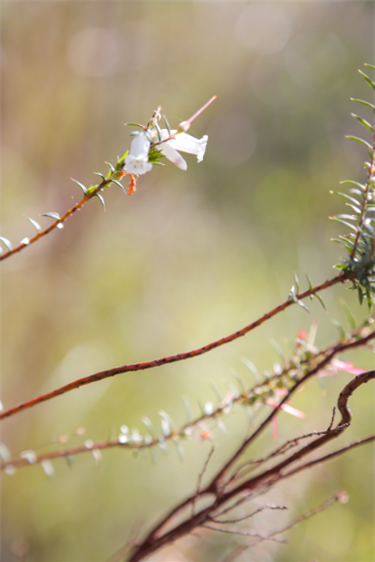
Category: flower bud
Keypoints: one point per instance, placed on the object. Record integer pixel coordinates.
(183, 127)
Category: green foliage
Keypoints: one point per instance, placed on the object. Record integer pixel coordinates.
(154, 156)
(359, 264)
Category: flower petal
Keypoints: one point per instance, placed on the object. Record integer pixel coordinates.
(188, 143)
(136, 161)
(348, 367)
(172, 155)
(140, 146)
(136, 165)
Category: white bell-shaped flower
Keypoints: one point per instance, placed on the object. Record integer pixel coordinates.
(183, 142)
(188, 143)
(136, 161)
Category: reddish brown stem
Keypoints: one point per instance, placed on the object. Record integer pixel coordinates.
(357, 338)
(156, 539)
(171, 358)
(56, 223)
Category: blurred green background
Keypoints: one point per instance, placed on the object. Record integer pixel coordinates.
(191, 257)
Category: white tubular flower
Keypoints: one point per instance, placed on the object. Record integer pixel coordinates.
(171, 153)
(189, 144)
(183, 142)
(136, 161)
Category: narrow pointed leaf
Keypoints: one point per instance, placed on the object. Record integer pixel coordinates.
(360, 295)
(349, 314)
(347, 217)
(236, 376)
(302, 305)
(163, 446)
(296, 282)
(361, 141)
(120, 185)
(369, 301)
(292, 293)
(134, 125)
(221, 426)
(363, 102)
(6, 243)
(339, 327)
(369, 65)
(35, 224)
(167, 124)
(234, 390)
(101, 199)
(80, 185)
(278, 350)
(321, 301)
(110, 166)
(250, 365)
(148, 423)
(52, 215)
(48, 468)
(355, 209)
(214, 387)
(368, 80)
(310, 284)
(346, 196)
(363, 122)
(342, 243)
(180, 451)
(352, 182)
(188, 409)
(120, 161)
(158, 131)
(201, 408)
(336, 219)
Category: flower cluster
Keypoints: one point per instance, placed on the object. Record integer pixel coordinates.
(152, 143)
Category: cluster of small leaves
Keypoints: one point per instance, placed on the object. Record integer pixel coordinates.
(115, 173)
(360, 243)
(294, 291)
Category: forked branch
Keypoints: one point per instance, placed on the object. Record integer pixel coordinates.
(222, 489)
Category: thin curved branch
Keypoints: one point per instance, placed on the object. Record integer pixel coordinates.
(339, 496)
(156, 539)
(56, 223)
(341, 278)
(330, 456)
(187, 429)
(216, 482)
